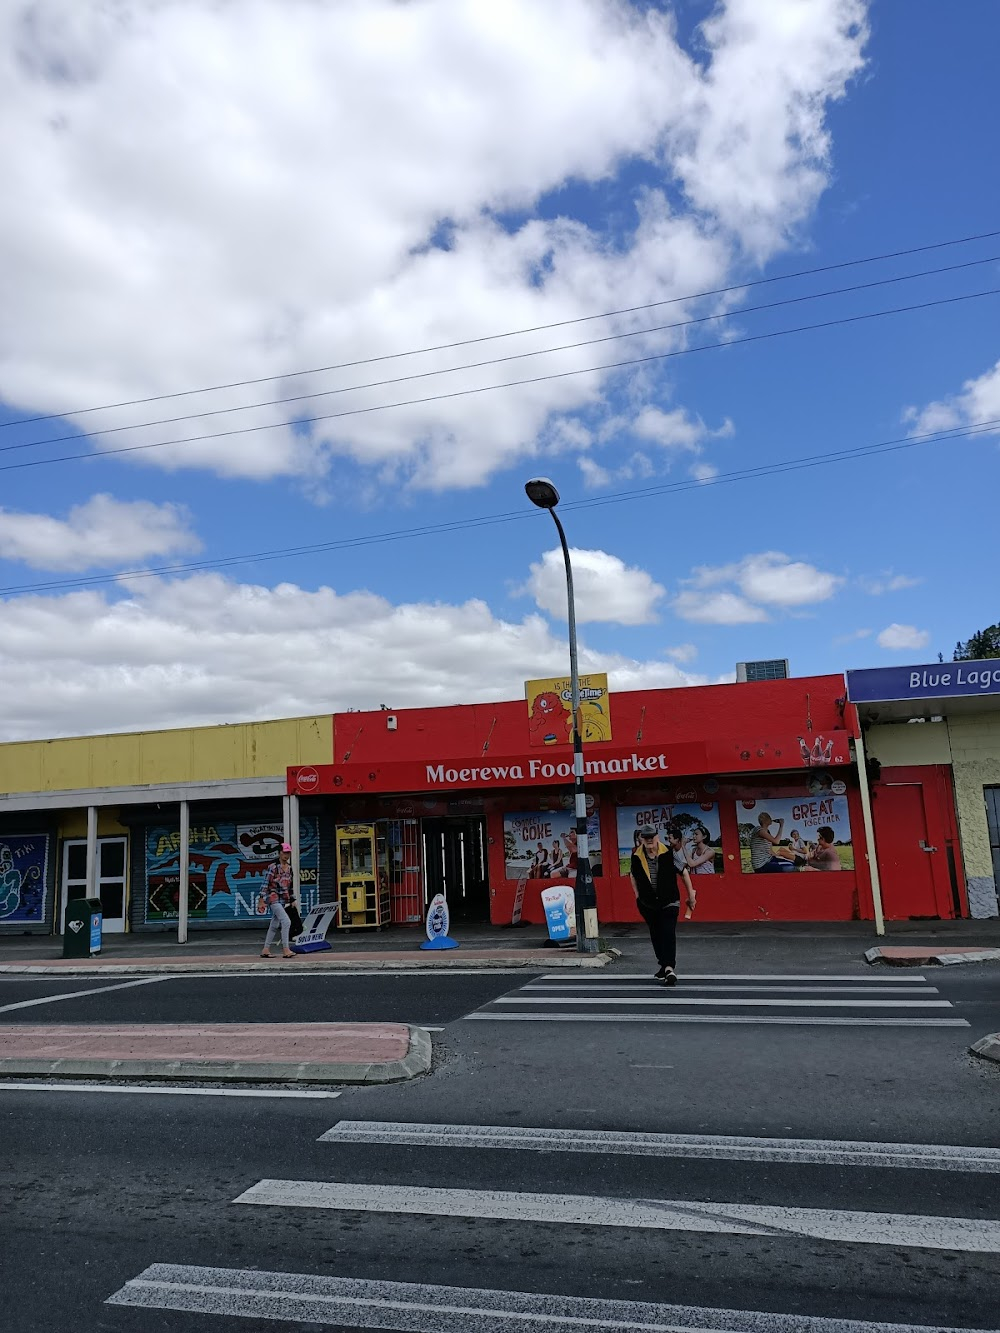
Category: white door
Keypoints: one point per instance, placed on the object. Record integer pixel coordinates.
(110, 879)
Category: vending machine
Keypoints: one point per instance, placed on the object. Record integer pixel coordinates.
(362, 876)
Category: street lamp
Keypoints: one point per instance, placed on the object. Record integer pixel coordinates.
(541, 492)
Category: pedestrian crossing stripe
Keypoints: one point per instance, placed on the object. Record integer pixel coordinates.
(424, 1308)
(815, 1020)
(967, 1234)
(762, 1002)
(625, 1143)
(746, 990)
(905, 980)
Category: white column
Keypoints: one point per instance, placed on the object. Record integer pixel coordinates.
(184, 863)
(293, 827)
(92, 885)
(286, 833)
(866, 810)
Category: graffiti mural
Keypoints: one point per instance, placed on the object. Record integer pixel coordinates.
(227, 863)
(24, 861)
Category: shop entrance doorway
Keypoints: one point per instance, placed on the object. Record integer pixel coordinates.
(455, 865)
(110, 879)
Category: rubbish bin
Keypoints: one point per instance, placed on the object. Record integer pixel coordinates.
(84, 927)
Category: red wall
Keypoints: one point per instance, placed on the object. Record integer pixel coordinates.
(731, 896)
(721, 718)
(713, 713)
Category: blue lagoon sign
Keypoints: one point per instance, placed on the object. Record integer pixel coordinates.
(941, 680)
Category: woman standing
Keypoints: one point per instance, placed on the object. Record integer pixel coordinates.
(656, 880)
(278, 891)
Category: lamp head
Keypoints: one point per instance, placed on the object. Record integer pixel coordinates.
(541, 492)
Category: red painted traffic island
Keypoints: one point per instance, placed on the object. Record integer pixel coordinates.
(289, 1052)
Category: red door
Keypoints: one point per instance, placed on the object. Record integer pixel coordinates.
(907, 859)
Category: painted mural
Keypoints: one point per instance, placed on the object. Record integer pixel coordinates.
(24, 860)
(227, 864)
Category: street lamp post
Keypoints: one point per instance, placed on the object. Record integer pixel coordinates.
(541, 492)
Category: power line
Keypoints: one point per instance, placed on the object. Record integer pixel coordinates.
(510, 333)
(510, 384)
(501, 360)
(754, 473)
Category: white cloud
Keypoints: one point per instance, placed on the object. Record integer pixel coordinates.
(604, 587)
(102, 533)
(899, 638)
(204, 649)
(683, 653)
(717, 608)
(888, 582)
(978, 402)
(672, 430)
(205, 191)
(704, 471)
(854, 636)
(772, 578)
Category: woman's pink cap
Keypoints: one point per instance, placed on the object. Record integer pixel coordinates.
(286, 846)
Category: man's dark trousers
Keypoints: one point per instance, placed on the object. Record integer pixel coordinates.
(662, 923)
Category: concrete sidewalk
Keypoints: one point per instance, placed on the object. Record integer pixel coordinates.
(230, 1052)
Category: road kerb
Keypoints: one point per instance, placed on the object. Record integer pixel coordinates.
(988, 1048)
(538, 960)
(897, 956)
(416, 1061)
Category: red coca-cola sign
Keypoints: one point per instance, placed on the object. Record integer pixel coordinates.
(306, 781)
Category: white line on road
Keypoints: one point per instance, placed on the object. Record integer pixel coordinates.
(675, 998)
(740, 990)
(901, 980)
(832, 1152)
(169, 1089)
(968, 1234)
(497, 1016)
(79, 994)
(422, 1308)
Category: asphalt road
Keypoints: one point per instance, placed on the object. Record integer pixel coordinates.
(97, 1186)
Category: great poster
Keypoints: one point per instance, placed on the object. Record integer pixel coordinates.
(227, 862)
(699, 826)
(796, 834)
(541, 844)
(23, 866)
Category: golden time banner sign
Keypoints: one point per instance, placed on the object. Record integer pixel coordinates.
(550, 709)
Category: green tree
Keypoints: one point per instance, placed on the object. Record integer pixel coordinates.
(985, 643)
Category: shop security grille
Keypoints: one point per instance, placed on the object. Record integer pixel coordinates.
(404, 847)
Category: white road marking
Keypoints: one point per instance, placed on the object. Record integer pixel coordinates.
(679, 998)
(902, 980)
(741, 990)
(967, 1234)
(497, 1016)
(833, 1152)
(423, 1308)
(79, 994)
(169, 1089)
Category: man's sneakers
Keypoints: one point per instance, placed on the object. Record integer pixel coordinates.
(669, 977)
(660, 975)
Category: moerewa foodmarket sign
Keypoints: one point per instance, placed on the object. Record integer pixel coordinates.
(603, 763)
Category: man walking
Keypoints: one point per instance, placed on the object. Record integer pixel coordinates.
(656, 876)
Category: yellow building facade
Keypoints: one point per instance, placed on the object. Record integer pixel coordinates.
(106, 811)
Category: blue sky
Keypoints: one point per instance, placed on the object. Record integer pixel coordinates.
(200, 198)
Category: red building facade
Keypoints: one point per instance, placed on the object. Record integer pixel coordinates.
(473, 808)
